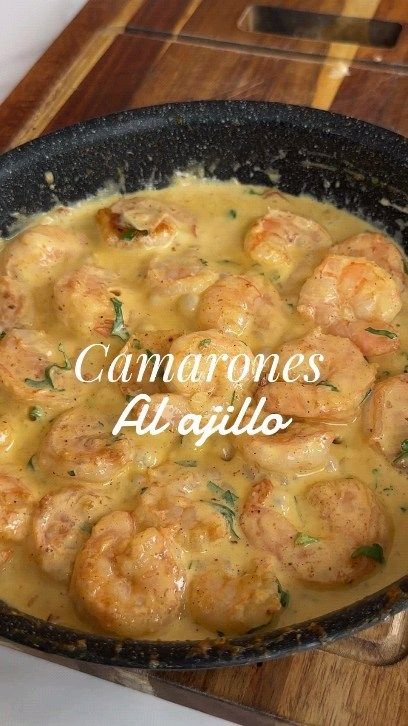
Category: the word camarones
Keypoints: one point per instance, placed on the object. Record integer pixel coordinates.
(199, 368)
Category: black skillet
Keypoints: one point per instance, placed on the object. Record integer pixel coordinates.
(350, 163)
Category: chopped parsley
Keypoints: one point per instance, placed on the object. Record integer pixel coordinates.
(187, 462)
(403, 453)
(118, 327)
(232, 213)
(229, 516)
(233, 397)
(374, 552)
(86, 527)
(329, 385)
(2, 334)
(304, 539)
(130, 233)
(47, 381)
(283, 596)
(137, 344)
(34, 413)
(226, 494)
(203, 262)
(204, 343)
(385, 333)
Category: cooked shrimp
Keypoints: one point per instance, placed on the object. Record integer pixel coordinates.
(6, 435)
(386, 419)
(129, 581)
(232, 601)
(178, 274)
(236, 304)
(83, 300)
(62, 521)
(176, 407)
(79, 443)
(143, 222)
(345, 379)
(204, 394)
(281, 239)
(301, 447)
(377, 248)
(38, 254)
(16, 305)
(351, 297)
(340, 517)
(179, 499)
(34, 369)
(153, 341)
(15, 508)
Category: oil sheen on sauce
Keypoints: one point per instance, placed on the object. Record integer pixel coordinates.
(223, 212)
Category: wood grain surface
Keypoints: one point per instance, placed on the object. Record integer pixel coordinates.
(119, 54)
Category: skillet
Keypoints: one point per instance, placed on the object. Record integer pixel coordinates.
(349, 163)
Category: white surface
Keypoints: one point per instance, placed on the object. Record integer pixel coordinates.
(34, 692)
(27, 27)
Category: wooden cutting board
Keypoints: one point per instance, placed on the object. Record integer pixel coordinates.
(119, 54)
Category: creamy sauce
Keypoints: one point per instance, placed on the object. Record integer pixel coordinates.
(223, 212)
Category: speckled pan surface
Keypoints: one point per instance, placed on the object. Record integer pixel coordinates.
(341, 160)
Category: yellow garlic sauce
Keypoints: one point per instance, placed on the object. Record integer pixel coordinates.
(219, 242)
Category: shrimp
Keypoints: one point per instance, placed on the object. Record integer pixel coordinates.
(178, 275)
(280, 240)
(236, 303)
(34, 370)
(353, 297)
(176, 407)
(232, 600)
(129, 581)
(203, 390)
(6, 434)
(150, 342)
(62, 521)
(142, 222)
(301, 447)
(377, 248)
(15, 508)
(84, 300)
(386, 419)
(175, 499)
(340, 516)
(16, 305)
(345, 379)
(38, 254)
(79, 443)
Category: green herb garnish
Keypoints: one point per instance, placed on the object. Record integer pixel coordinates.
(385, 333)
(34, 413)
(187, 462)
(228, 515)
(137, 344)
(329, 385)
(304, 539)
(226, 494)
(374, 551)
(233, 397)
(47, 381)
(86, 527)
(2, 334)
(130, 233)
(283, 596)
(71, 472)
(232, 213)
(203, 262)
(204, 343)
(404, 452)
(118, 327)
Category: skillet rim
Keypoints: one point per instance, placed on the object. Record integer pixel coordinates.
(153, 654)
